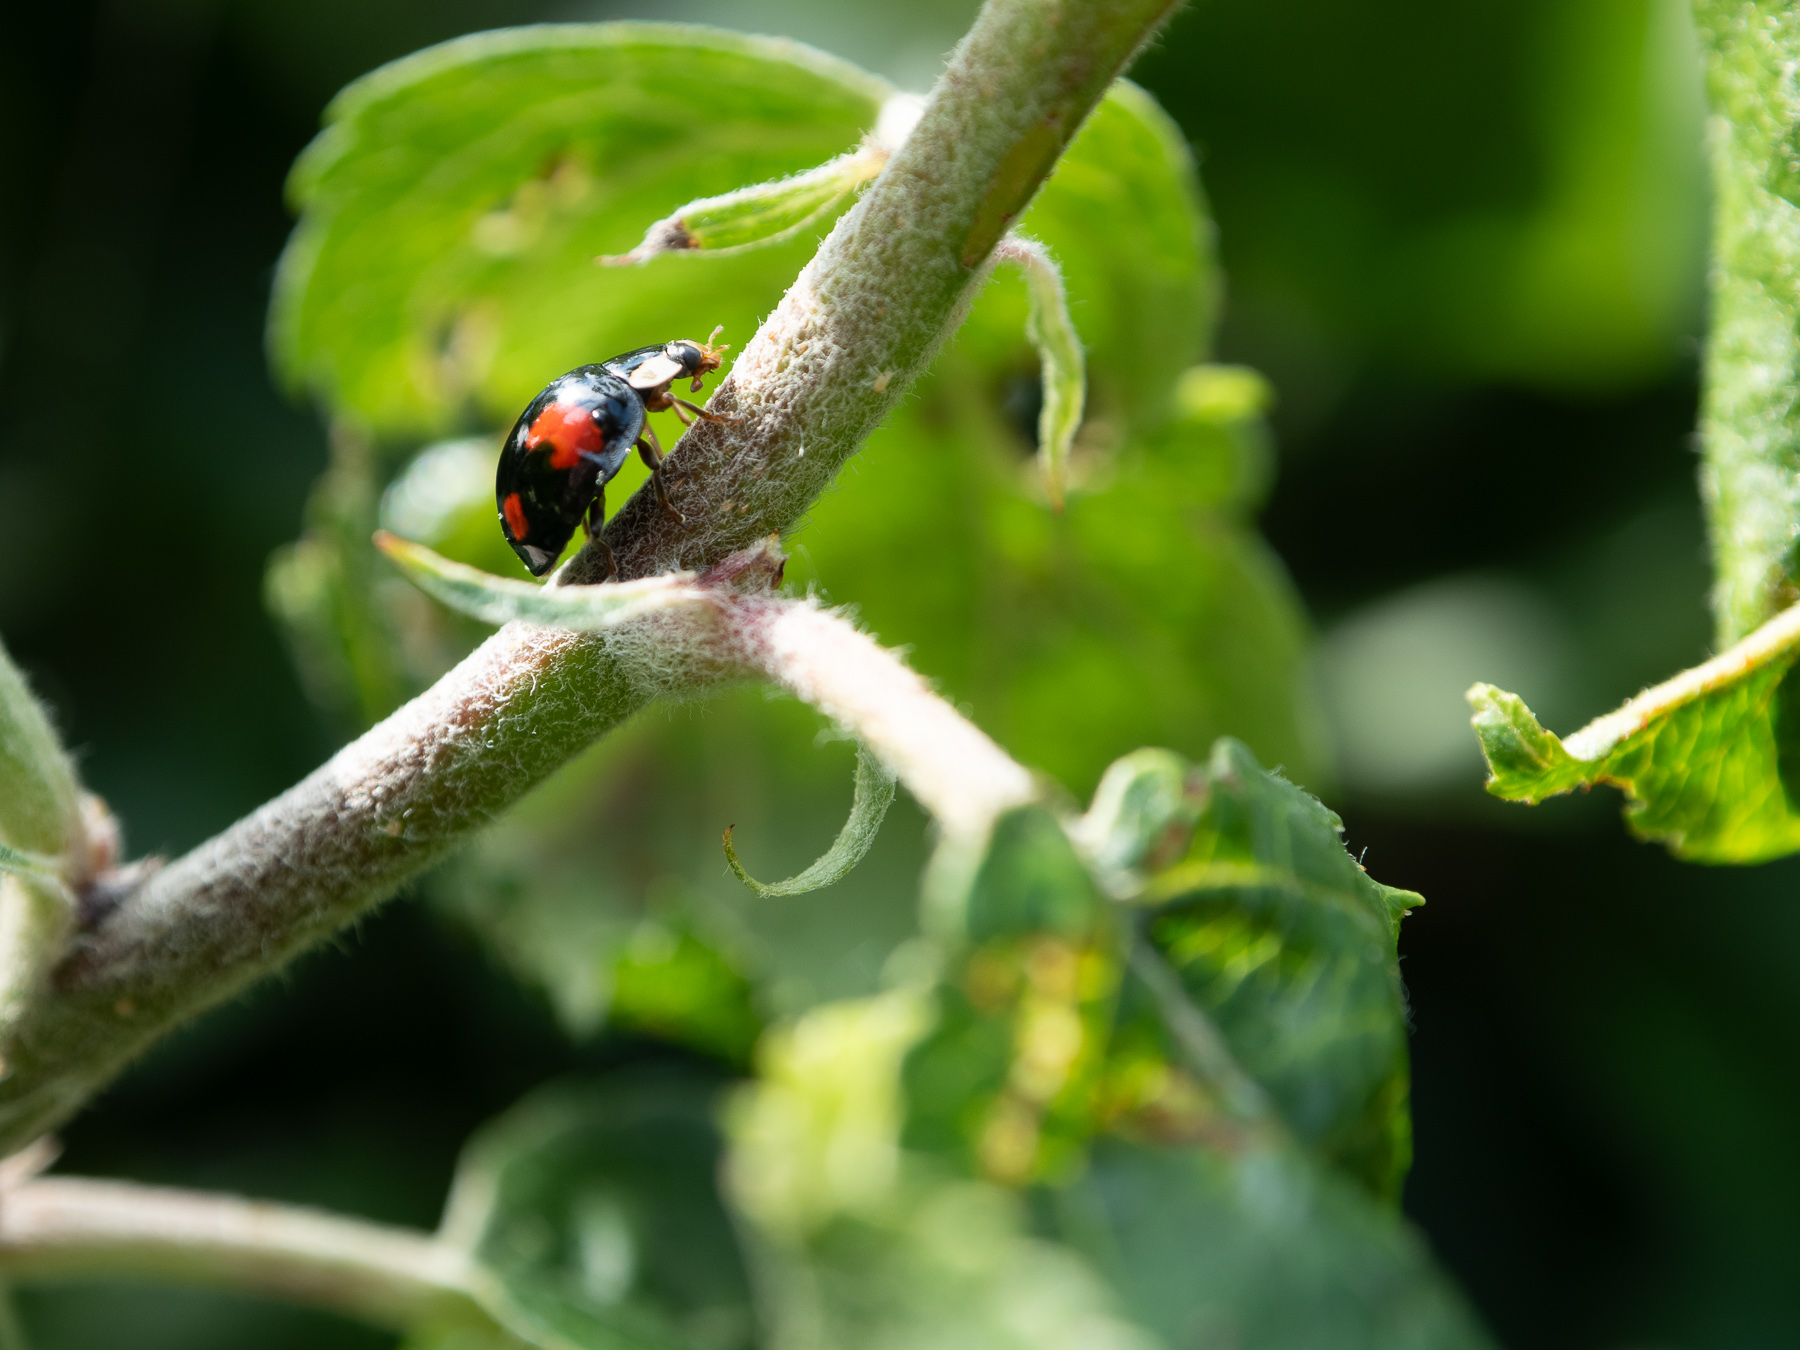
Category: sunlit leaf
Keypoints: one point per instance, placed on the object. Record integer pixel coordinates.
(453, 206)
(868, 808)
(817, 1136)
(861, 1243)
(1750, 433)
(1705, 758)
(1007, 1083)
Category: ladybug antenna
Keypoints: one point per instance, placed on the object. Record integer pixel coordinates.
(711, 355)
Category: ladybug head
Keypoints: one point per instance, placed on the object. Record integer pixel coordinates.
(698, 359)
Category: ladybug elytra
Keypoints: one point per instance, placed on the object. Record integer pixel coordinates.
(573, 437)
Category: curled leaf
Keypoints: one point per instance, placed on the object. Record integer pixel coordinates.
(1704, 757)
(767, 213)
(494, 599)
(874, 794)
(1064, 367)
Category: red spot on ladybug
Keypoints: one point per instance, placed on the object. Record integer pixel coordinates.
(515, 517)
(570, 429)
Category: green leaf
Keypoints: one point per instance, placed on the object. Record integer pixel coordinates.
(458, 1336)
(1750, 431)
(347, 631)
(1063, 372)
(1706, 759)
(629, 835)
(1289, 947)
(817, 1135)
(1255, 1247)
(1145, 806)
(1063, 634)
(947, 1262)
(868, 808)
(765, 213)
(859, 1243)
(454, 203)
(1008, 1083)
(39, 797)
(669, 981)
(1204, 1218)
(493, 599)
(594, 1212)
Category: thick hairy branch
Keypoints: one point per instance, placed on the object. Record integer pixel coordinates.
(859, 325)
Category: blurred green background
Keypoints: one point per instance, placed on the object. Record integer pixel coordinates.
(1465, 245)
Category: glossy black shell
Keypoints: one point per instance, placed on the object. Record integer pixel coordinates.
(553, 500)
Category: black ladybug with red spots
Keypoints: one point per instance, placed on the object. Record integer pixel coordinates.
(568, 444)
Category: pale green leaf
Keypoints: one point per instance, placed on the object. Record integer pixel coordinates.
(762, 214)
(493, 599)
(1705, 758)
(868, 808)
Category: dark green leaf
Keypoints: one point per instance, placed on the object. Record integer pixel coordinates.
(1288, 946)
(594, 1208)
(1256, 1247)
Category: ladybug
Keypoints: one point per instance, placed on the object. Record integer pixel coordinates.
(573, 437)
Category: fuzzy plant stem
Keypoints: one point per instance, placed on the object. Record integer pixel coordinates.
(60, 1228)
(858, 327)
(70, 1228)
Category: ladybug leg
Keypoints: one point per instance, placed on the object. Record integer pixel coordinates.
(701, 413)
(590, 527)
(651, 453)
